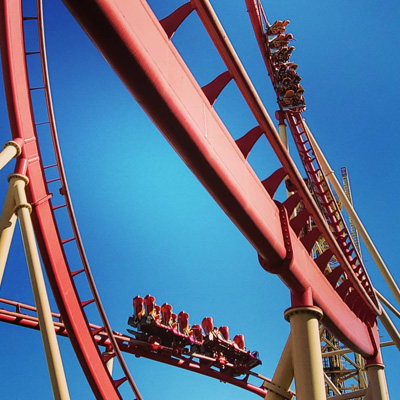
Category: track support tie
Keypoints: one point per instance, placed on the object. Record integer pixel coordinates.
(300, 221)
(247, 142)
(87, 302)
(53, 180)
(353, 262)
(58, 207)
(29, 18)
(310, 238)
(67, 240)
(323, 259)
(343, 289)
(272, 183)
(97, 330)
(119, 382)
(30, 53)
(42, 200)
(213, 89)
(352, 299)
(50, 166)
(334, 276)
(173, 21)
(292, 202)
(77, 272)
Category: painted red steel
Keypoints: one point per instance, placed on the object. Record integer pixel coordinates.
(25, 316)
(353, 272)
(136, 46)
(132, 40)
(357, 273)
(327, 201)
(53, 256)
(68, 202)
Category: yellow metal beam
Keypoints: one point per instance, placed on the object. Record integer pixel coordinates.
(283, 376)
(306, 352)
(53, 356)
(11, 149)
(7, 225)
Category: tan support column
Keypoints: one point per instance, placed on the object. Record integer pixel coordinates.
(7, 225)
(284, 374)
(283, 136)
(306, 352)
(280, 116)
(53, 356)
(11, 149)
(390, 328)
(108, 356)
(110, 365)
(377, 386)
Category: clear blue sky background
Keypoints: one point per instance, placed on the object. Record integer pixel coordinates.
(149, 227)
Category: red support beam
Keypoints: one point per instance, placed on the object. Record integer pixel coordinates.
(130, 37)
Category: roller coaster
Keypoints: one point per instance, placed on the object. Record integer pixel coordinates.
(293, 222)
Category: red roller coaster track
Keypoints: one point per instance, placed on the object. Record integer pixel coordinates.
(138, 46)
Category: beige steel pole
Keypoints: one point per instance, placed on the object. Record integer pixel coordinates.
(7, 225)
(306, 352)
(53, 356)
(332, 386)
(11, 149)
(283, 134)
(361, 371)
(377, 388)
(110, 365)
(350, 396)
(386, 302)
(284, 374)
(109, 353)
(284, 140)
(8, 219)
(390, 328)
(354, 217)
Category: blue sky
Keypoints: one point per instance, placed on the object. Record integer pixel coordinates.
(149, 227)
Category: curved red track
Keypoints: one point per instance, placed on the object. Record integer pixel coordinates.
(22, 122)
(138, 48)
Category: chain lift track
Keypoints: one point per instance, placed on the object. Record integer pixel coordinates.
(138, 46)
(325, 198)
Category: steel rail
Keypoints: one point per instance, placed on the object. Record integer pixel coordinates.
(71, 214)
(23, 127)
(136, 46)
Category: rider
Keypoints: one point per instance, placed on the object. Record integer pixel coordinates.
(278, 27)
(281, 40)
(283, 54)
